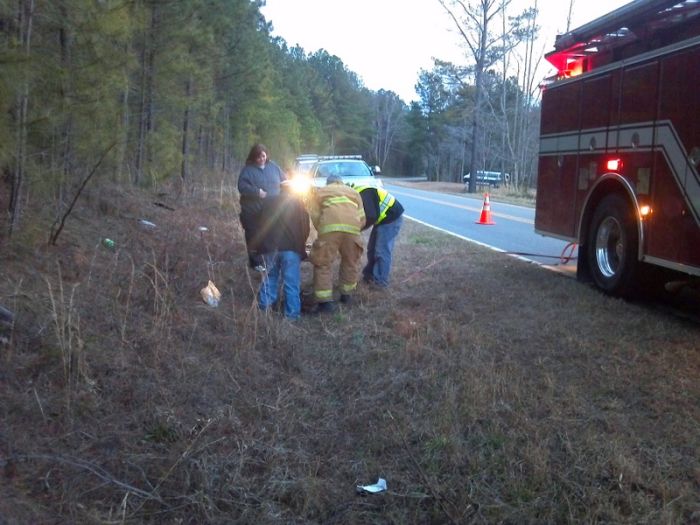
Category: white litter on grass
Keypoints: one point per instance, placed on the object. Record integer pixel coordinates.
(379, 486)
(146, 224)
(203, 229)
(211, 294)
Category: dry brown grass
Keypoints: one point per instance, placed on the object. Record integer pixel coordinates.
(484, 389)
(501, 194)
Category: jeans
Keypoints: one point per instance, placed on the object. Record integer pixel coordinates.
(379, 250)
(286, 264)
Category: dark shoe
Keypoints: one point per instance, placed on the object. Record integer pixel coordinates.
(328, 307)
(346, 299)
(255, 259)
(369, 281)
(374, 285)
(308, 302)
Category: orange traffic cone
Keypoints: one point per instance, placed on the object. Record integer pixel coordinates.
(486, 212)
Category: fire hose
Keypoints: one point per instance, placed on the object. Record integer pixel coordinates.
(565, 256)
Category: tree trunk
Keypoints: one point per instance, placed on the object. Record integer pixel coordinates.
(184, 168)
(122, 162)
(478, 88)
(225, 147)
(525, 128)
(141, 143)
(66, 124)
(25, 19)
(146, 105)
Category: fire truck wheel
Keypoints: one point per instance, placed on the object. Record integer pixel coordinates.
(612, 247)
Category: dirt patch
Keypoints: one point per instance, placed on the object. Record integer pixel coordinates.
(482, 388)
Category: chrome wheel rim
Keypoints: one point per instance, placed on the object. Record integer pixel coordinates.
(609, 247)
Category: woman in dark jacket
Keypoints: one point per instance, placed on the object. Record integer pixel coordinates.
(259, 179)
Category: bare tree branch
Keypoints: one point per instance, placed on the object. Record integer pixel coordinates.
(54, 234)
(94, 469)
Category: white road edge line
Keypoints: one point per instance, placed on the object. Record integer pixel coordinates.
(478, 209)
(494, 248)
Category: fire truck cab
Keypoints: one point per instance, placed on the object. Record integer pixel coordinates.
(619, 159)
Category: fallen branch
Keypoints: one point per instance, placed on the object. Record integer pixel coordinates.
(164, 206)
(94, 469)
(54, 234)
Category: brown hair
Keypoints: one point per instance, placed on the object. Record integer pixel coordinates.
(255, 152)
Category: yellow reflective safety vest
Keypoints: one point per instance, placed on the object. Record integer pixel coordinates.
(386, 201)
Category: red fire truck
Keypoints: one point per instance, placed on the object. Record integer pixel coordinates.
(620, 144)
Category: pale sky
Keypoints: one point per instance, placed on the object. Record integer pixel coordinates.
(387, 43)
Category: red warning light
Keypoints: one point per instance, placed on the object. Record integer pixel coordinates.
(574, 67)
(614, 165)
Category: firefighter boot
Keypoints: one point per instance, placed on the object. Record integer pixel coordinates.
(328, 307)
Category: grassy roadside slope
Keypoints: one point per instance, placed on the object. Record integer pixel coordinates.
(482, 388)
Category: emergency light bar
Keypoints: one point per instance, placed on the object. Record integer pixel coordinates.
(594, 44)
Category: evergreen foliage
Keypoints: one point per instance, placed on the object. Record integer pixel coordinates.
(178, 91)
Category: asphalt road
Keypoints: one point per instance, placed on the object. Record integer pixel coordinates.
(512, 233)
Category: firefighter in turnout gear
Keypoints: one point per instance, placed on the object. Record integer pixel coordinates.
(385, 215)
(338, 216)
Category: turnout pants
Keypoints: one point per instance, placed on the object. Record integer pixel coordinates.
(324, 251)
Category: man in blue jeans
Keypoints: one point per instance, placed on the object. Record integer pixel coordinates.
(281, 237)
(385, 214)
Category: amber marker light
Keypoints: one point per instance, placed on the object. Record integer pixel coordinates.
(613, 164)
(644, 211)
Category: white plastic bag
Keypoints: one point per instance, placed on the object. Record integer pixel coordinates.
(379, 486)
(211, 294)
